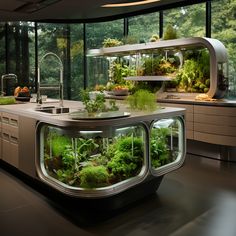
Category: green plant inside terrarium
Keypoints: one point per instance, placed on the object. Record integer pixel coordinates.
(161, 152)
(118, 71)
(94, 162)
(194, 76)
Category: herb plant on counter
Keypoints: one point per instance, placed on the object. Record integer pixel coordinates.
(142, 100)
(98, 103)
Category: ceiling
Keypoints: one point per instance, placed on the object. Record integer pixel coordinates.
(71, 10)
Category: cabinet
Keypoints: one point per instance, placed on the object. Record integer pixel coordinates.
(213, 124)
(10, 138)
(209, 123)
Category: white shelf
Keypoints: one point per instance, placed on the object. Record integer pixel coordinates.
(149, 78)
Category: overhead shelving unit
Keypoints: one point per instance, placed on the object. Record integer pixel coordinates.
(217, 51)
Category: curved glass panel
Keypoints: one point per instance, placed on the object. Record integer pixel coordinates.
(91, 159)
(166, 143)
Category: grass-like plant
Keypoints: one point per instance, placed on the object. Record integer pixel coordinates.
(142, 100)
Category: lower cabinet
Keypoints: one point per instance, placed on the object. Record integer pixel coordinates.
(9, 138)
(209, 124)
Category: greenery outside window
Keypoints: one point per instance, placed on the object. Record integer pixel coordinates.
(224, 28)
(141, 28)
(189, 21)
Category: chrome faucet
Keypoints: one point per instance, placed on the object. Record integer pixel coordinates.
(60, 87)
(4, 77)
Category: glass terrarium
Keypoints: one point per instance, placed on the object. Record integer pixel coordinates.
(193, 76)
(166, 143)
(89, 159)
(187, 67)
(85, 159)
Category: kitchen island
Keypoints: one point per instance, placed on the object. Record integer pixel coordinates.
(91, 157)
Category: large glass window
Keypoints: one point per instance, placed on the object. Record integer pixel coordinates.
(52, 38)
(21, 54)
(97, 32)
(76, 61)
(141, 28)
(2, 49)
(95, 35)
(66, 42)
(189, 21)
(224, 29)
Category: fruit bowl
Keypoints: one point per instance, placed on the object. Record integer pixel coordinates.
(120, 91)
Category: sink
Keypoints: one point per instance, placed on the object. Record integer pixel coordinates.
(53, 110)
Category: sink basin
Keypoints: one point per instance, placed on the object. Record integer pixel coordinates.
(53, 110)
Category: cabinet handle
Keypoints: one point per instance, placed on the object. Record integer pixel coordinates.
(14, 139)
(5, 120)
(5, 136)
(14, 122)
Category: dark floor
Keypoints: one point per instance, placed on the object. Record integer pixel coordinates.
(198, 199)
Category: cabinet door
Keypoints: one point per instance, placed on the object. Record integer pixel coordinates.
(10, 139)
(6, 147)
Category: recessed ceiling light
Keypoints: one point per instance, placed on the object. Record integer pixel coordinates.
(127, 4)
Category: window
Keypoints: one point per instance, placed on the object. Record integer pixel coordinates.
(141, 28)
(95, 35)
(224, 29)
(2, 49)
(189, 21)
(66, 41)
(21, 54)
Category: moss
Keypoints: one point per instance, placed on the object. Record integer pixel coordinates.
(94, 177)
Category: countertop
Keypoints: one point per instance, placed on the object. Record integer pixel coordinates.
(27, 109)
(220, 102)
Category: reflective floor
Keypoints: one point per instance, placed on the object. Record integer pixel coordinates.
(198, 199)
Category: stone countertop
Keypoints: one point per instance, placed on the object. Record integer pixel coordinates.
(218, 102)
(27, 109)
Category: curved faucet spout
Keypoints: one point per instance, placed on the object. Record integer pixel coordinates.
(60, 87)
